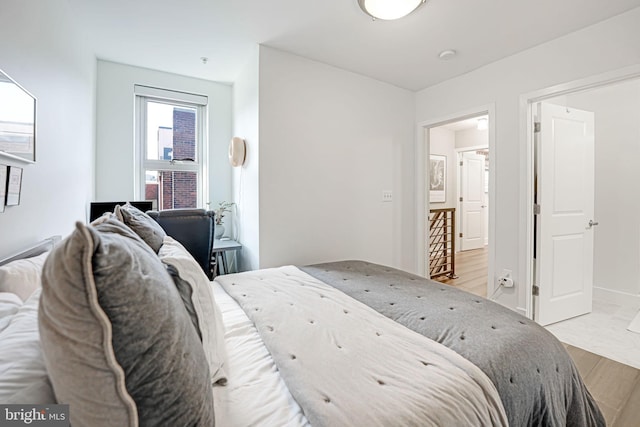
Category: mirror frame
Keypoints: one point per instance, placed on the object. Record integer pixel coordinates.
(16, 149)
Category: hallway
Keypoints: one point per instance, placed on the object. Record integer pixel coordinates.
(471, 269)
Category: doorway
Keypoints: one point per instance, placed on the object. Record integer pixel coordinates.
(457, 218)
(605, 245)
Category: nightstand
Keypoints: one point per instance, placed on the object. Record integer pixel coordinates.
(219, 257)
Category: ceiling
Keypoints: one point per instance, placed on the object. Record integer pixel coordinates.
(464, 124)
(172, 36)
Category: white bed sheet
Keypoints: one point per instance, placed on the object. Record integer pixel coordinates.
(255, 394)
(9, 305)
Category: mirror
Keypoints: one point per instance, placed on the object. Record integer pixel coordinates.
(17, 121)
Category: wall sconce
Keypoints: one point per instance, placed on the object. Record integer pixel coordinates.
(237, 151)
(389, 9)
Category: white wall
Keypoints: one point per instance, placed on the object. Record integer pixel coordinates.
(617, 150)
(115, 128)
(330, 142)
(442, 142)
(245, 179)
(609, 45)
(42, 51)
(472, 137)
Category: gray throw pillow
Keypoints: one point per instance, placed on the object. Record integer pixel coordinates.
(196, 293)
(142, 224)
(118, 343)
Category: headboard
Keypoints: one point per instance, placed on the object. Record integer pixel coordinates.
(31, 251)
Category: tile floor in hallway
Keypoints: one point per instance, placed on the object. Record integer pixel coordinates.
(604, 332)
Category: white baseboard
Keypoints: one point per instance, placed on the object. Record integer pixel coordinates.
(616, 297)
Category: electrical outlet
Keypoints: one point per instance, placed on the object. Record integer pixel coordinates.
(387, 196)
(505, 279)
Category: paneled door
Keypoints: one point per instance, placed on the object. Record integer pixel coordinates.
(472, 204)
(564, 225)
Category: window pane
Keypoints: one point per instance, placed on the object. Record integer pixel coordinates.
(172, 189)
(171, 132)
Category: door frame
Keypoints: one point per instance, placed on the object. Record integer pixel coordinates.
(422, 148)
(459, 154)
(527, 103)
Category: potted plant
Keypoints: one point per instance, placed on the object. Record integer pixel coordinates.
(223, 207)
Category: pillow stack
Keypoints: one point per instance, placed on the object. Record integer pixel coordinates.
(125, 343)
(22, 277)
(142, 224)
(23, 376)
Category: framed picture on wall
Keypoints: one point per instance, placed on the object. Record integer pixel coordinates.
(437, 178)
(3, 186)
(14, 186)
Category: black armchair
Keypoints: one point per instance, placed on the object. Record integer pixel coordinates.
(193, 228)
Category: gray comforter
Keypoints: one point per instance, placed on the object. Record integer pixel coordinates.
(348, 365)
(535, 377)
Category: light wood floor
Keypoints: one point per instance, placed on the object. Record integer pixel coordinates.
(616, 387)
(471, 269)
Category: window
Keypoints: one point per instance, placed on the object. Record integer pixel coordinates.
(170, 148)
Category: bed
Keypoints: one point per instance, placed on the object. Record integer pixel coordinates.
(127, 323)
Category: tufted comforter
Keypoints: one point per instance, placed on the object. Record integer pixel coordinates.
(348, 365)
(537, 381)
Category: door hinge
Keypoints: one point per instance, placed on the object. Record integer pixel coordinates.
(536, 127)
(460, 162)
(536, 209)
(461, 198)
(535, 290)
(460, 234)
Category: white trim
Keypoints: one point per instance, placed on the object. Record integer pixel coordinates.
(525, 251)
(140, 124)
(472, 148)
(171, 95)
(422, 198)
(616, 297)
(16, 158)
(203, 195)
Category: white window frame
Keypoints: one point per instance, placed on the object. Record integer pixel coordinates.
(142, 164)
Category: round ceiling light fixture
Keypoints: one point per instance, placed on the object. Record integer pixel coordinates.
(389, 9)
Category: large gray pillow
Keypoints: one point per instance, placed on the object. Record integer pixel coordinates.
(118, 343)
(142, 224)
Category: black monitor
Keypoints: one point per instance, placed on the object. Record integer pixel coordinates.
(96, 209)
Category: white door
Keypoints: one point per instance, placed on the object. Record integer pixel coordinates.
(486, 204)
(565, 193)
(472, 206)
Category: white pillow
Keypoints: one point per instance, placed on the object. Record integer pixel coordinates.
(22, 276)
(208, 314)
(23, 376)
(9, 305)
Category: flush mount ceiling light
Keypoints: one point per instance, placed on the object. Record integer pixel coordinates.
(483, 123)
(389, 9)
